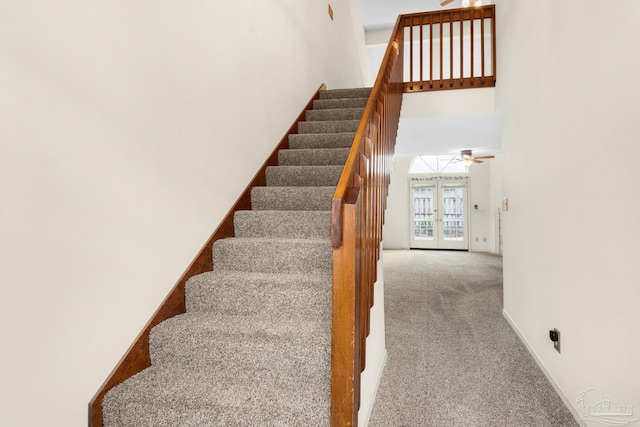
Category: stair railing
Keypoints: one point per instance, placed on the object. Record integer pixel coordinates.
(356, 231)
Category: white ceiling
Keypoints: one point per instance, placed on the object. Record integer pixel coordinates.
(434, 136)
(430, 135)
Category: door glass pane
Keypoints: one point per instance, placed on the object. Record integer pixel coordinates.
(452, 214)
(423, 213)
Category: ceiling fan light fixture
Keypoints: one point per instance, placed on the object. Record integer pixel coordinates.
(467, 162)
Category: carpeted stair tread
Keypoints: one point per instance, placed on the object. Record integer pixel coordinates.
(283, 224)
(335, 114)
(242, 293)
(319, 156)
(292, 198)
(322, 140)
(345, 93)
(309, 176)
(237, 342)
(267, 255)
(321, 104)
(162, 397)
(336, 126)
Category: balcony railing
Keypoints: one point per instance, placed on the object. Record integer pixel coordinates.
(450, 49)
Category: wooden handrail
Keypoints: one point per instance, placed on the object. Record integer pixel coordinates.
(450, 77)
(356, 231)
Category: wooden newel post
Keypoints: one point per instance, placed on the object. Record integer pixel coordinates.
(345, 347)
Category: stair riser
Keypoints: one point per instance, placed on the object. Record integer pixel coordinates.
(345, 93)
(322, 140)
(232, 353)
(329, 127)
(335, 114)
(292, 198)
(307, 176)
(335, 156)
(259, 298)
(328, 104)
(283, 224)
(273, 256)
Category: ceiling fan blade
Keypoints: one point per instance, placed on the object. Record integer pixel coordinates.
(484, 157)
(475, 160)
(446, 2)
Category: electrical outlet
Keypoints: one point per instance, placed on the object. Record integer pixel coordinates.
(554, 335)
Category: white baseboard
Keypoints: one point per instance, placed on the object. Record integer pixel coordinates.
(545, 371)
(364, 413)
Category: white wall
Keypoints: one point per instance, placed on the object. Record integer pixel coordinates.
(567, 88)
(480, 219)
(376, 351)
(395, 232)
(128, 129)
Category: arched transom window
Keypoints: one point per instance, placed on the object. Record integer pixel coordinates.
(437, 164)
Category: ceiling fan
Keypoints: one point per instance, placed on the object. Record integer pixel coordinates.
(467, 158)
(465, 3)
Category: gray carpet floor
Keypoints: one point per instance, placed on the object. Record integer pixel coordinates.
(453, 360)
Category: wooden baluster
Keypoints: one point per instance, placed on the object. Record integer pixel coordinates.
(451, 49)
(461, 48)
(472, 63)
(482, 41)
(363, 267)
(430, 51)
(494, 71)
(441, 53)
(411, 54)
(421, 55)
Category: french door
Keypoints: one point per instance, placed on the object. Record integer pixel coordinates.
(439, 214)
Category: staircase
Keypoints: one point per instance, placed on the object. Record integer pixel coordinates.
(254, 346)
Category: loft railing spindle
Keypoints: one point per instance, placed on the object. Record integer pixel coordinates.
(441, 54)
(430, 51)
(482, 42)
(411, 54)
(494, 71)
(461, 48)
(421, 54)
(451, 49)
(471, 42)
